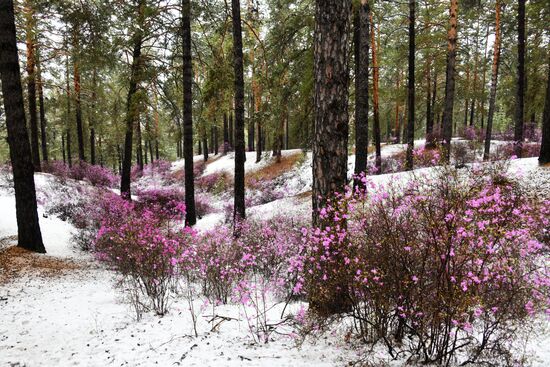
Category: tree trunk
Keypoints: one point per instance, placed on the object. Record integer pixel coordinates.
(77, 97)
(474, 89)
(231, 131)
(215, 142)
(330, 139)
(520, 95)
(467, 92)
(361, 42)
(239, 205)
(42, 109)
(397, 107)
(430, 98)
(205, 147)
(28, 227)
(259, 145)
(91, 117)
(225, 134)
(68, 121)
(63, 149)
(251, 130)
(191, 214)
(481, 109)
(139, 148)
(31, 81)
(132, 104)
(450, 80)
(410, 87)
(376, 108)
(544, 157)
(494, 80)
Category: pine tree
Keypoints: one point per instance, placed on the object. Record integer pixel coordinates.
(28, 227)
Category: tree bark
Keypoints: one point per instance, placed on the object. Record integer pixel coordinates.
(31, 81)
(28, 227)
(330, 138)
(139, 148)
(361, 42)
(410, 87)
(397, 107)
(450, 80)
(544, 157)
(92, 118)
(42, 109)
(132, 104)
(77, 97)
(205, 147)
(259, 145)
(520, 93)
(375, 99)
(239, 204)
(68, 122)
(494, 81)
(215, 142)
(225, 134)
(191, 214)
(231, 131)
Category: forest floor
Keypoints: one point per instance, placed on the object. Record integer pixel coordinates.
(64, 309)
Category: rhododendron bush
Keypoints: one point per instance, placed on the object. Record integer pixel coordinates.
(142, 245)
(94, 174)
(446, 265)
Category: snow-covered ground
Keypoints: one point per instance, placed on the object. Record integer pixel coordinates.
(77, 317)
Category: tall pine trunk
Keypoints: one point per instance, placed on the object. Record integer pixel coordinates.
(30, 24)
(28, 227)
(410, 87)
(520, 93)
(361, 42)
(494, 81)
(92, 114)
(42, 109)
(205, 146)
(77, 96)
(68, 122)
(450, 80)
(544, 157)
(225, 134)
(231, 132)
(239, 205)
(132, 104)
(375, 98)
(191, 214)
(431, 88)
(330, 138)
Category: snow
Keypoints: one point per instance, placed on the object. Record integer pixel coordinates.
(79, 318)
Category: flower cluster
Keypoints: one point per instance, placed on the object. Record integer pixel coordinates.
(94, 174)
(439, 260)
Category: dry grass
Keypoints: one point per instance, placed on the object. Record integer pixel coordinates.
(274, 170)
(16, 262)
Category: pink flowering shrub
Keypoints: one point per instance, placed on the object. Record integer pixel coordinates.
(136, 173)
(215, 183)
(145, 250)
(249, 265)
(202, 205)
(422, 157)
(261, 248)
(159, 167)
(436, 266)
(94, 174)
(166, 202)
(507, 151)
(472, 133)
